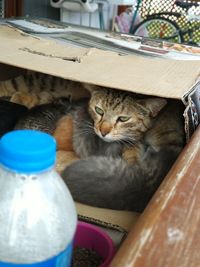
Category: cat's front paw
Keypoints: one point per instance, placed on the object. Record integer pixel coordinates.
(133, 154)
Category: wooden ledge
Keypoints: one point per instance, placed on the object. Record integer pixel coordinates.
(167, 233)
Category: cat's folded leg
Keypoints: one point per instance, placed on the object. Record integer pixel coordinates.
(133, 153)
(113, 183)
(106, 182)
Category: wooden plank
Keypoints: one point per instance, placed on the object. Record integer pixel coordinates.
(167, 233)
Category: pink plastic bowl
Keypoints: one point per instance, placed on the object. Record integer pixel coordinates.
(91, 237)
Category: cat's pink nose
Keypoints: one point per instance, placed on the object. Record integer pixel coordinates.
(105, 128)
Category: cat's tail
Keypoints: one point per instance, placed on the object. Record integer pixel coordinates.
(111, 183)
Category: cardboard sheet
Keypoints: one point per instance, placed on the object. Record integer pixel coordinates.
(150, 76)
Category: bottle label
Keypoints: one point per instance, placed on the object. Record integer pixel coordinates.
(61, 260)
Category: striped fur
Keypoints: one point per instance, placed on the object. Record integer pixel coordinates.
(34, 88)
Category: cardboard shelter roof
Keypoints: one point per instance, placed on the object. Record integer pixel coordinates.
(146, 75)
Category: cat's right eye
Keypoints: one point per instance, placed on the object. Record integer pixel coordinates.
(123, 118)
(99, 111)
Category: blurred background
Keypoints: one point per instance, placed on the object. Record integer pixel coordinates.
(117, 15)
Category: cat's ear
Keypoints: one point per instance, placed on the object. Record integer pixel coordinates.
(154, 105)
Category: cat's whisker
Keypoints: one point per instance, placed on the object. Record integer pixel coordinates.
(84, 131)
(127, 143)
(90, 127)
(118, 141)
(130, 143)
(86, 124)
(130, 137)
(124, 140)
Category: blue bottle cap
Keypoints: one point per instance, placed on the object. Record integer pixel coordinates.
(27, 151)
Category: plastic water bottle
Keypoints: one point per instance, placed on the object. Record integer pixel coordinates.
(37, 214)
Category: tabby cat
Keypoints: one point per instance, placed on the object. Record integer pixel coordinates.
(127, 144)
(33, 88)
(44, 117)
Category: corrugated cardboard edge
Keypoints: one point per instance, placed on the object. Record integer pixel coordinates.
(150, 76)
(115, 219)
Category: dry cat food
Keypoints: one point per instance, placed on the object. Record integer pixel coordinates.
(83, 257)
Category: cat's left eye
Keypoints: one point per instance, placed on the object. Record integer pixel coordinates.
(99, 111)
(123, 118)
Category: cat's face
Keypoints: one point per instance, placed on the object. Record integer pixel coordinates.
(118, 116)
